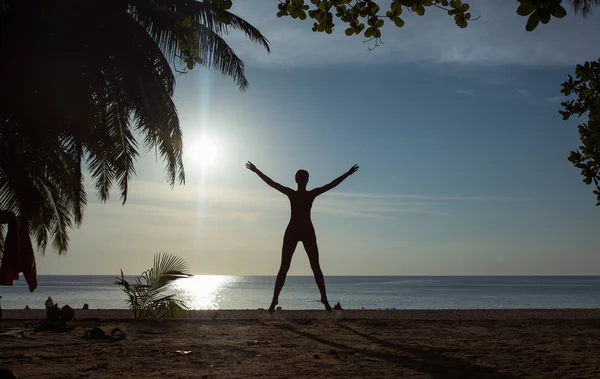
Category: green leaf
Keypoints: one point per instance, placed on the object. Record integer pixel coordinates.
(349, 31)
(533, 21)
(557, 10)
(575, 157)
(399, 22)
(565, 115)
(526, 9)
(544, 16)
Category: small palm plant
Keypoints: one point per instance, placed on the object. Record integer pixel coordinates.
(146, 296)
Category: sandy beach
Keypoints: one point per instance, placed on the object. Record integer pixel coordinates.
(345, 344)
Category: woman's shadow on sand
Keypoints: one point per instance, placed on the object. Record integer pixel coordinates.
(434, 363)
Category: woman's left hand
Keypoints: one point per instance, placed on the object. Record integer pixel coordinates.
(250, 166)
(353, 169)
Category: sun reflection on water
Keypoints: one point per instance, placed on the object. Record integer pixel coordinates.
(204, 291)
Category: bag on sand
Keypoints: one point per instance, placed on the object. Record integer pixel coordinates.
(67, 313)
(53, 313)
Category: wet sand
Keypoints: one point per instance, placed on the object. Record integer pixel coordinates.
(236, 344)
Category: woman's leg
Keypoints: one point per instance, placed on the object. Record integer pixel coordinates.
(287, 251)
(312, 250)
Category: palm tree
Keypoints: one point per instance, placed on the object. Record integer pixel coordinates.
(82, 81)
(146, 295)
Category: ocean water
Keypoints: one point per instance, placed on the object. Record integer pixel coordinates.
(300, 292)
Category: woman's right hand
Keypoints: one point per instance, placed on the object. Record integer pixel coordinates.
(353, 169)
(250, 166)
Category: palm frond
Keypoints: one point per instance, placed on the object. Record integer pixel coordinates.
(34, 189)
(78, 196)
(169, 307)
(161, 17)
(1, 240)
(166, 268)
(583, 6)
(162, 132)
(117, 124)
(59, 212)
(216, 53)
(146, 296)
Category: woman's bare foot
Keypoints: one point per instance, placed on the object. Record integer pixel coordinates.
(326, 303)
(273, 305)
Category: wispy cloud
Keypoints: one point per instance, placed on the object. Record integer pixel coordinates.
(186, 204)
(467, 92)
(374, 210)
(555, 100)
(398, 196)
(524, 92)
(497, 38)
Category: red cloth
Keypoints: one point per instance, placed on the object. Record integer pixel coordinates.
(18, 255)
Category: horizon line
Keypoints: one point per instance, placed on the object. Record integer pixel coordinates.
(361, 275)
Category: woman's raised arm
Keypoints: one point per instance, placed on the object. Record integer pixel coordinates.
(333, 184)
(283, 189)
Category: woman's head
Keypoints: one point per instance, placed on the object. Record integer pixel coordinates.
(301, 177)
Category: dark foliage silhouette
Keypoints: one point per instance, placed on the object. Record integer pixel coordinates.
(83, 83)
(367, 18)
(586, 87)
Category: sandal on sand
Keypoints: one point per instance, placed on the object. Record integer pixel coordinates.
(117, 334)
(98, 334)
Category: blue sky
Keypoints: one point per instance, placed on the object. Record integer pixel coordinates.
(461, 149)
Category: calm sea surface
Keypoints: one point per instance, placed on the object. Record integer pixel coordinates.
(300, 292)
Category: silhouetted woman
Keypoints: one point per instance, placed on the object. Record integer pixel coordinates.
(300, 227)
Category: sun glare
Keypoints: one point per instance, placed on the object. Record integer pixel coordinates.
(203, 152)
(204, 291)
